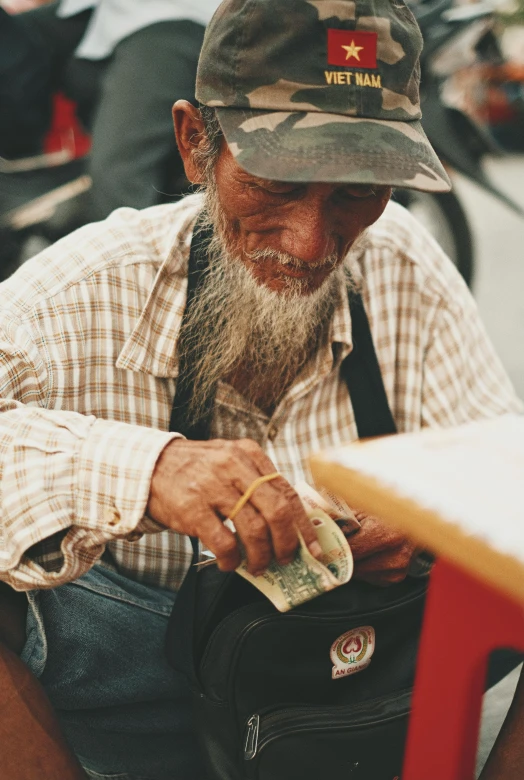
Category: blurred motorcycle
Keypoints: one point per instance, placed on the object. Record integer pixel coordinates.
(496, 99)
(42, 198)
(45, 197)
(455, 38)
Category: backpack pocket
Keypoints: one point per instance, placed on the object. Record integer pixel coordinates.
(364, 742)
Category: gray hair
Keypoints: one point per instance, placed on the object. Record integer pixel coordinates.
(207, 153)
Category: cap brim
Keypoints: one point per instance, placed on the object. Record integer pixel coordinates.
(314, 146)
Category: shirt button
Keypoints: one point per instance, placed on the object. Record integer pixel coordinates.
(112, 516)
(134, 536)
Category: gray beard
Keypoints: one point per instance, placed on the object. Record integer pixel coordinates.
(241, 331)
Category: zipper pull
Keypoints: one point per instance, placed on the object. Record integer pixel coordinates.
(251, 743)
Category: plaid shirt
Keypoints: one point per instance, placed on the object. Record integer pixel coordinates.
(88, 334)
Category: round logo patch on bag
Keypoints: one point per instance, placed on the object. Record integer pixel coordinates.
(352, 651)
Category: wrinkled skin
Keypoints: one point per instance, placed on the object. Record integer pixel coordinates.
(309, 221)
(195, 484)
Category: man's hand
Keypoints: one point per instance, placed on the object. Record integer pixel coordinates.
(382, 556)
(195, 484)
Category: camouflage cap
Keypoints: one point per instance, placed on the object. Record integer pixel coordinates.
(320, 90)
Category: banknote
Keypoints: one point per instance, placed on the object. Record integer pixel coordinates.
(334, 506)
(307, 577)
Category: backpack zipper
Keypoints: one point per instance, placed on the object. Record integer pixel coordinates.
(313, 719)
(251, 743)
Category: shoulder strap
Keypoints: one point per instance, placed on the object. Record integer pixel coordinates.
(180, 422)
(360, 369)
(361, 373)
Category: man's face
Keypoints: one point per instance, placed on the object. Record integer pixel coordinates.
(311, 226)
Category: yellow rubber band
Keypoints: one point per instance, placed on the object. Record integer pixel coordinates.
(242, 501)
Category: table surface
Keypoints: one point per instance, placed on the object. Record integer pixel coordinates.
(457, 492)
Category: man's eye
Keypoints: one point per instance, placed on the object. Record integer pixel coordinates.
(274, 188)
(357, 193)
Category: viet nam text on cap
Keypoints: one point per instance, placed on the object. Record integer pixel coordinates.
(320, 90)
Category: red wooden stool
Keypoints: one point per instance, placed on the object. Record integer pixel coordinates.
(458, 493)
(465, 621)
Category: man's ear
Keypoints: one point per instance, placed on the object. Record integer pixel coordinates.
(190, 134)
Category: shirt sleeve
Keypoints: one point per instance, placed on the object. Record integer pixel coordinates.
(463, 379)
(64, 477)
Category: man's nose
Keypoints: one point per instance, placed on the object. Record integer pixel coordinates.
(308, 232)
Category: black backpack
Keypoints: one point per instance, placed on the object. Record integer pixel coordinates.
(298, 695)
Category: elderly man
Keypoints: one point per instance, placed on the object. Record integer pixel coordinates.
(309, 117)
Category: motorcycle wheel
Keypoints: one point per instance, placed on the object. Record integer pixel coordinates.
(443, 215)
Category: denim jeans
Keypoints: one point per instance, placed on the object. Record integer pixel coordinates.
(97, 646)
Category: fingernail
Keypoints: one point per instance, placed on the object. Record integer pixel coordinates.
(315, 549)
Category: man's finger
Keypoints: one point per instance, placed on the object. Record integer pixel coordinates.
(255, 537)
(285, 515)
(390, 561)
(222, 542)
(268, 523)
(373, 538)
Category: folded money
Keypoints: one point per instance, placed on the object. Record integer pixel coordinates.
(332, 505)
(307, 577)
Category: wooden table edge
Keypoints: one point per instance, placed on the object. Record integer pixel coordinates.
(425, 527)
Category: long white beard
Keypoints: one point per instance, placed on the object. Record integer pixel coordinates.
(238, 324)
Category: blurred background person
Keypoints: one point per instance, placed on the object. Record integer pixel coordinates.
(18, 6)
(123, 62)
